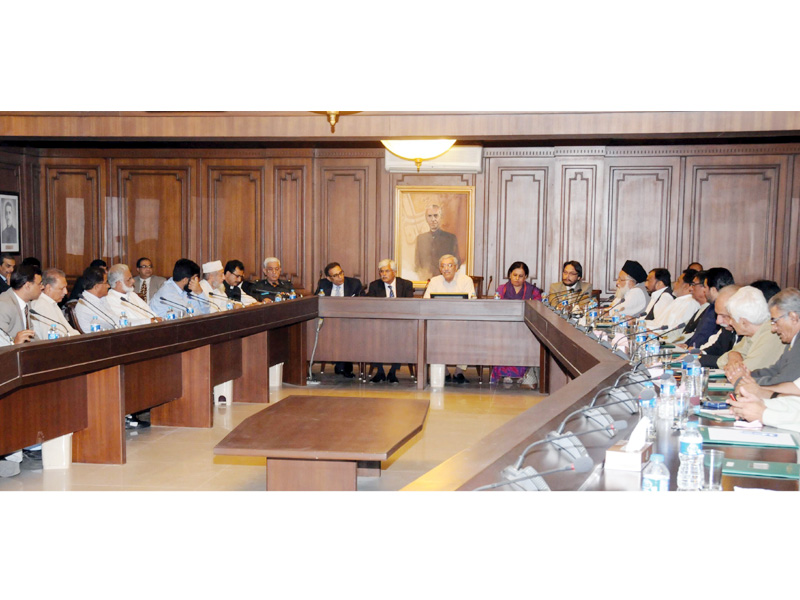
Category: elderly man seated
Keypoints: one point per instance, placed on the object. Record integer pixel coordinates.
(784, 308)
(45, 308)
(272, 284)
(749, 315)
(122, 297)
(631, 297)
(213, 287)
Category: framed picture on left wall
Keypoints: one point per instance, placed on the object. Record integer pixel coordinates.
(9, 222)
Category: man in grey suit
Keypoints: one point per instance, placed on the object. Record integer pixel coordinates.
(146, 278)
(15, 321)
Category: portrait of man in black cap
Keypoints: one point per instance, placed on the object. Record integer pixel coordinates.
(631, 297)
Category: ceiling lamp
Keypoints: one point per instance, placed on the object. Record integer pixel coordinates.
(418, 150)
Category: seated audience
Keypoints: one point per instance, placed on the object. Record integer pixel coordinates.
(15, 317)
(146, 283)
(715, 279)
(571, 288)
(517, 288)
(658, 285)
(681, 309)
(181, 292)
(631, 297)
(389, 286)
(122, 297)
(749, 315)
(213, 276)
(272, 284)
(92, 306)
(336, 284)
(232, 278)
(45, 308)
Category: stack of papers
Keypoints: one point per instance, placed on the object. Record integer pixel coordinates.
(747, 437)
(750, 468)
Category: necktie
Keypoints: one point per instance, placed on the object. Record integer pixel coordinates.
(391, 292)
(143, 291)
(338, 290)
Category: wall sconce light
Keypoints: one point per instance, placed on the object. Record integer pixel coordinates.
(418, 150)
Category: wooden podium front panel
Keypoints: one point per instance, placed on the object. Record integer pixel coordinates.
(103, 439)
(152, 382)
(365, 340)
(226, 361)
(481, 343)
(193, 408)
(253, 384)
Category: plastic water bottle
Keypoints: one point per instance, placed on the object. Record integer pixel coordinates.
(292, 295)
(123, 320)
(648, 407)
(95, 325)
(279, 297)
(640, 340)
(229, 305)
(690, 473)
(652, 350)
(171, 316)
(693, 376)
(190, 311)
(322, 292)
(615, 326)
(564, 305)
(53, 333)
(497, 295)
(655, 477)
(591, 319)
(666, 400)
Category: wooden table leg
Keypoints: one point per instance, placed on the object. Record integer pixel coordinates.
(311, 475)
(368, 468)
(103, 440)
(544, 369)
(194, 407)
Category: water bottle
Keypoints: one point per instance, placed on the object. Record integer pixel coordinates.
(652, 350)
(123, 320)
(655, 477)
(497, 295)
(292, 295)
(616, 328)
(648, 408)
(322, 292)
(171, 316)
(693, 377)
(666, 400)
(53, 333)
(95, 325)
(279, 297)
(190, 311)
(229, 305)
(690, 473)
(564, 305)
(591, 319)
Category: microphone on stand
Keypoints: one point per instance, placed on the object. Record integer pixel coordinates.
(103, 314)
(177, 305)
(310, 380)
(528, 480)
(193, 296)
(572, 446)
(39, 316)
(139, 308)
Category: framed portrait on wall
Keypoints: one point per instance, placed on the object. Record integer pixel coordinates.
(9, 222)
(429, 223)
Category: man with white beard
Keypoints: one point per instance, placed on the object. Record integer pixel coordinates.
(122, 297)
(631, 296)
(213, 276)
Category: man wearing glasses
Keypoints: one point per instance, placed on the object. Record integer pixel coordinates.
(336, 285)
(715, 279)
(571, 288)
(145, 283)
(784, 310)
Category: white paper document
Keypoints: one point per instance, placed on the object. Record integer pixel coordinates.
(747, 436)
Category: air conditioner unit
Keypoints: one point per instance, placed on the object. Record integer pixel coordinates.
(459, 159)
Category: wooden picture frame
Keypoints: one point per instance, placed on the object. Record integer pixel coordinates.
(431, 221)
(9, 222)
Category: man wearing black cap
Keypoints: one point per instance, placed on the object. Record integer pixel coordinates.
(631, 296)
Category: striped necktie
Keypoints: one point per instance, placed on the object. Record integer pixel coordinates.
(391, 291)
(143, 291)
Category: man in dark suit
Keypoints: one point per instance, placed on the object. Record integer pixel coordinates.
(7, 265)
(389, 286)
(337, 285)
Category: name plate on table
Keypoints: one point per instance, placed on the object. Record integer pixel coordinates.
(744, 437)
(760, 468)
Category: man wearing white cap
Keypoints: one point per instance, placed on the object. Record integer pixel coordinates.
(212, 285)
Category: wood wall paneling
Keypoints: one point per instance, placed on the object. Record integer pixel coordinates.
(641, 219)
(149, 212)
(519, 193)
(289, 210)
(346, 204)
(73, 199)
(792, 228)
(236, 214)
(736, 205)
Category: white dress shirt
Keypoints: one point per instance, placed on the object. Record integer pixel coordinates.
(48, 307)
(137, 311)
(634, 301)
(659, 302)
(461, 284)
(679, 311)
(90, 306)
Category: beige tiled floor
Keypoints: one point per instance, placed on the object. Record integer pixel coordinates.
(174, 459)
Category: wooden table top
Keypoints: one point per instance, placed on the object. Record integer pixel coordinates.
(327, 428)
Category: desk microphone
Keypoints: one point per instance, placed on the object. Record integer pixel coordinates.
(103, 314)
(39, 316)
(193, 296)
(310, 379)
(528, 480)
(139, 308)
(177, 305)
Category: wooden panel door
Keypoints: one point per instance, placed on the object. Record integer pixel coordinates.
(72, 194)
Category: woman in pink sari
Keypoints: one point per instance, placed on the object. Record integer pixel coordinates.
(517, 288)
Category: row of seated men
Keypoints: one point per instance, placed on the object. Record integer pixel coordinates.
(750, 331)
